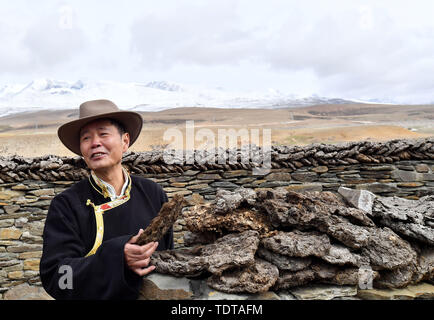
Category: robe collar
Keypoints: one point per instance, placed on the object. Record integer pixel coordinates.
(106, 189)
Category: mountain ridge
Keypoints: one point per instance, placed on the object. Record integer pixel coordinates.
(45, 93)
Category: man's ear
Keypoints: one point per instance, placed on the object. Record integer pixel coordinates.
(125, 141)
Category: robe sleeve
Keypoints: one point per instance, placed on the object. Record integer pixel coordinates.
(104, 275)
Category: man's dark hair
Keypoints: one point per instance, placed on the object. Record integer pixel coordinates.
(118, 125)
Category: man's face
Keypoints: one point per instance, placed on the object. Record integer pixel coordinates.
(102, 146)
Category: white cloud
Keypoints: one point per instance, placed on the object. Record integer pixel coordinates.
(13, 55)
(53, 40)
(196, 33)
(361, 49)
(365, 52)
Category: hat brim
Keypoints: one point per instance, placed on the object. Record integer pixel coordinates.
(69, 133)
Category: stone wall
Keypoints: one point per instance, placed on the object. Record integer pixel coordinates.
(404, 168)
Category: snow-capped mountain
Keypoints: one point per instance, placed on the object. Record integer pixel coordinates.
(164, 85)
(151, 96)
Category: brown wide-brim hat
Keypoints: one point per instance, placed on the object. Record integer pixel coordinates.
(69, 133)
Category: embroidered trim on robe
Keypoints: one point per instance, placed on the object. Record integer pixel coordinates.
(99, 211)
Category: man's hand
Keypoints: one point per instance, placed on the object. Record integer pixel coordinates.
(138, 257)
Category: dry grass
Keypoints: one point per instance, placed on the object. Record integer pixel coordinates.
(34, 134)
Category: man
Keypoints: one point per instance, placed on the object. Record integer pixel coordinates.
(89, 249)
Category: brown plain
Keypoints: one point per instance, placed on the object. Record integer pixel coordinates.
(35, 133)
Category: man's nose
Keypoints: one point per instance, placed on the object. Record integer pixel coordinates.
(95, 142)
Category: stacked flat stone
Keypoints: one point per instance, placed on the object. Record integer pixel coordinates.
(53, 168)
(403, 168)
(23, 209)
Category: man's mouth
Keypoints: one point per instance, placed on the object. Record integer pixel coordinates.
(97, 155)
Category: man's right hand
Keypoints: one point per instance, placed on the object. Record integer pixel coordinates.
(138, 257)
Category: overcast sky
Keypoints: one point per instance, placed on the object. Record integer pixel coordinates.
(349, 49)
